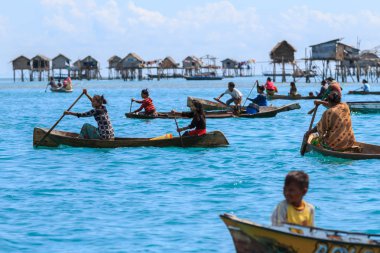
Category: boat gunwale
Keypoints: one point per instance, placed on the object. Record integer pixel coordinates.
(268, 228)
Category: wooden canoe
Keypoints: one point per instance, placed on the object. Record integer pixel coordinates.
(251, 237)
(355, 92)
(209, 115)
(365, 106)
(60, 90)
(214, 106)
(56, 138)
(203, 78)
(368, 151)
(287, 97)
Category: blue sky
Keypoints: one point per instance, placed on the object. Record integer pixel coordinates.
(240, 29)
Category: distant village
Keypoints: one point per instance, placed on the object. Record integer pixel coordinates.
(332, 58)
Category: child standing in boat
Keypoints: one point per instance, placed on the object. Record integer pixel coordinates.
(198, 122)
(104, 130)
(146, 103)
(294, 209)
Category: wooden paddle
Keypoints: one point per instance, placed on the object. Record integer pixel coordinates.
(257, 84)
(220, 101)
(304, 141)
(130, 108)
(56, 123)
(176, 123)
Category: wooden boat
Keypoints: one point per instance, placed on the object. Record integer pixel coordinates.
(203, 78)
(367, 151)
(56, 138)
(213, 106)
(355, 92)
(288, 97)
(60, 90)
(365, 106)
(209, 115)
(250, 237)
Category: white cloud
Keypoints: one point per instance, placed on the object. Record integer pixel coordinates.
(145, 17)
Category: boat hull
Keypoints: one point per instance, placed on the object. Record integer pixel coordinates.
(203, 78)
(285, 97)
(249, 237)
(368, 151)
(214, 106)
(61, 90)
(365, 107)
(56, 138)
(209, 115)
(351, 92)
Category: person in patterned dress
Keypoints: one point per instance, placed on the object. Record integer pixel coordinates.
(104, 130)
(335, 127)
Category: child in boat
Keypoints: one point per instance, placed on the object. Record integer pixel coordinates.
(69, 85)
(146, 103)
(270, 87)
(293, 89)
(236, 95)
(52, 83)
(259, 100)
(198, 122)
(366, 87)
(294, 209)
(104, 130)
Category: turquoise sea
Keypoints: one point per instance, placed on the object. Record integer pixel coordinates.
(166, 199)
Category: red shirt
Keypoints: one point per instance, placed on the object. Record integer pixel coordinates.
(270, 85)
(147, 105)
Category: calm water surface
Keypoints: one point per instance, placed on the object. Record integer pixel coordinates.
(166, 199)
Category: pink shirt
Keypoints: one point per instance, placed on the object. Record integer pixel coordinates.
(269, 85)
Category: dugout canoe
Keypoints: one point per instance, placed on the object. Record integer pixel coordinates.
(355, 92)
(56, 138)
(287, 97)
(60, 90)
(365, 106)
(214, 106)
(254, 238)
(368, 151)
(209, 115)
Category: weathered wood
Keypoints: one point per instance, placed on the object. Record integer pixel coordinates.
(287, 97)
(56, 138)
(365, 106)
(368, 151)
(289, 238)
(352, 92)
(60, 90)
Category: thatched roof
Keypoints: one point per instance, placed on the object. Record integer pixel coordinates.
(229, 60)
(134, 55)
(89, 59)
(282, 52)
(21, 57)
(114, 58)
(369, 56)
(168, 63)
(40, 57)
(61, 55)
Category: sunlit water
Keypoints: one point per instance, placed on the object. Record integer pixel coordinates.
(166, 199)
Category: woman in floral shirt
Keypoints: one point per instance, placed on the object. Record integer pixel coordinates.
(104, 130)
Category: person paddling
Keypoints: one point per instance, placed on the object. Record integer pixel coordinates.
(365, 87)
(146, 103)
(198, 122)
(104, 130)
(52, 83)
(236, 95)
(259, 100)
(334, 130)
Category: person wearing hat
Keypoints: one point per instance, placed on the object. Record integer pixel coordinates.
(365, 87)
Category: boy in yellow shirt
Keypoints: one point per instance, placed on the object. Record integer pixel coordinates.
(294, 209)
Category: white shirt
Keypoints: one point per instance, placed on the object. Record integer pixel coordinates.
(366, 87)
(235, 93)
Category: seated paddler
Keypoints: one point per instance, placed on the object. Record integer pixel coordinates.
(146, 104)
(334, 130)
(197, 126)
(104, 130)
(259, 100)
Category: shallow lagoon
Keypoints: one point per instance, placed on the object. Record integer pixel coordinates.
(166, 199)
